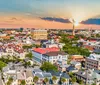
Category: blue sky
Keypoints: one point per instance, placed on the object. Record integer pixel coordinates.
(80, 10)
(50, 7)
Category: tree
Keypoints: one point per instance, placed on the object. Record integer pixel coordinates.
(46, 80)
(29, 55)
(63, 80)
(27, 47)
(73, 80)
(10, 80)
(35, 79)
(47, 66)
(73, 50)
(71, 74)
(26, 64)
(2, 64)
(54, 78)
(93, 84)
(8, 83)
(79, 81)
(98, 35)
(11, 38)
(23, 82)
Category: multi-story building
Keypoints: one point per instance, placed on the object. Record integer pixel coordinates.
(39, 34)
(78, 58)
(55, 57)
(38, 53)
(93, 61)
(52, 43)
(89, 76)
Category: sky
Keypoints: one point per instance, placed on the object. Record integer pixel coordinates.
(49, 13)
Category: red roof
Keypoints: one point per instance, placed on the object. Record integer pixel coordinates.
(45, 50)
(89, 47)
(71, 36)
(92, 40)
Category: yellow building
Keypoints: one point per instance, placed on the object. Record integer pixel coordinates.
(39, 34)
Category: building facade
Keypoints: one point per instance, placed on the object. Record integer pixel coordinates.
(93, 61)
(38, 53)
(39, 34)
(77, 58)
(55, 57)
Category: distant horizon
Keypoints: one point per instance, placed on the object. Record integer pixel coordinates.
(49, 13)
(53, 28)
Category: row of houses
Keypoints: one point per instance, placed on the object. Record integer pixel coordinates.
(12, 49)
(22, 74)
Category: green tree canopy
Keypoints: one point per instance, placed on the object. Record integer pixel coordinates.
(29, 55)
(47, 66)
(10, 80)
(46, 80)
(35, 79)
(63, 80)
(54, 78)
(73, 50)
(27, 46)
(2, 64)
(23, 82)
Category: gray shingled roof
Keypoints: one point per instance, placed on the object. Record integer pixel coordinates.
(37, 70)
(60, 74)
(65, 75)
(84, 75)
(46, 74)
(55, 53)
(39, 75)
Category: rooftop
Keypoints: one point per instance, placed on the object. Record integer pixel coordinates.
(94, 56)
(77, 56)
(45, 50)
(56, 53)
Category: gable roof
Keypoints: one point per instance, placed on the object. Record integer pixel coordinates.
(45, 50)
(37, 70)
(39, 75)
(29, 74)
(56, 53)
(60, 74)
(71, 68)
(65, 75)
(84, 74)
(46, 75)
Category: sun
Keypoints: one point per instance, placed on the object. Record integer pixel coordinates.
(76, 23)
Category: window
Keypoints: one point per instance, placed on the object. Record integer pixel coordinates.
(53, 60)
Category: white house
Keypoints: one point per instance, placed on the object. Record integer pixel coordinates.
(38, 53)
(54, 57)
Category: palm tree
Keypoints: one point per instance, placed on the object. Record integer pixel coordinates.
(63, 80)
(35, 79)
(54, 78)
(46, 80)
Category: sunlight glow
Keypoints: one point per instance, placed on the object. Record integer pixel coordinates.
(75, 22)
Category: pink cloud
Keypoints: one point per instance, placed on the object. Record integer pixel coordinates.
(13, 22)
